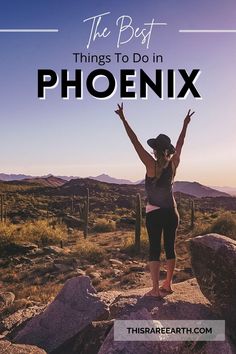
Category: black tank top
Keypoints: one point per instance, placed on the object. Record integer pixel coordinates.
(159, 191)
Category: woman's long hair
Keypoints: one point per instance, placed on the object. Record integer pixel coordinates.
(160, 156)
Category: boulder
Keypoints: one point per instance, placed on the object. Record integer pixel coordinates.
(48, 258)
(66, 325)
(110, 346)
(115, 261)
(6, 298)
(117, 272)
(25, 259)
(7, 347)
(80, 271)
(186, 303)
(137, 268)
(109, 296)
(75, 306)
(38, 252)
(62, 267)
(88, 341)
(213, 260)
(186, 294)
(95, 275)
(11, 324)
(21, 248)
(53, 250)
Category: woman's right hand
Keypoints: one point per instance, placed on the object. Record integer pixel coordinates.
(144, 156)
(120, 112)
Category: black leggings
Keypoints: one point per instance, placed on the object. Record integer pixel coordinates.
(158, 220)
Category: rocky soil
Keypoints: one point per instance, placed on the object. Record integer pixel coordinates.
(62, 303)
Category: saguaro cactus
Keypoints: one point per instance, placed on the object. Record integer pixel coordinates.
(138, 222)
(192, 214)
(1, 199)
(84, 213)
(179, 201)
(72, 204)
(5, 214)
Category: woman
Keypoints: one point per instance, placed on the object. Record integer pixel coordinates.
(161, 208)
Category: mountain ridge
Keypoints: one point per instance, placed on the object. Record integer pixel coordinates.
(191, 188)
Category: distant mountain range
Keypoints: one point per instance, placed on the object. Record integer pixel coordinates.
(191, 188)
(19, 177)
(102, 178)
(13, 177)
(197, 190)
(229, 190)
(105, 178)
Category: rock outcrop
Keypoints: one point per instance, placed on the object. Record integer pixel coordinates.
(75, 306)
(14, 322)
(88, 341)
(186, 303)
(7, 347)
(213, 260)
(78, 320)
(22, 248)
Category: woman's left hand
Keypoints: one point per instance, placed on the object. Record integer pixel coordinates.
(188, 117)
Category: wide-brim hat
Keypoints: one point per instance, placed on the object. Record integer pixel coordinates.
(162, 142)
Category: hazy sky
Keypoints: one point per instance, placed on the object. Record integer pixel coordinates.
(85, 137)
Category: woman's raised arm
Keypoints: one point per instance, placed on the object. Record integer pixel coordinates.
(180, 142)
(144, 156)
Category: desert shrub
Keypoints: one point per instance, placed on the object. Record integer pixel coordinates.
(8, 234)
(225, 224)
(104, 225)
(89, 251)
(41, 233)
(184, 212)
(214, 215)
(129, 246)
(121, 211)
(126, 222)
(200, 229)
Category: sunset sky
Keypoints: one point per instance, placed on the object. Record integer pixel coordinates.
(85, 137)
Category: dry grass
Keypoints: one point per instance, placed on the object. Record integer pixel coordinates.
(8, 233)
(27, 294)
(89, 251)
(41, 293)
(129, 247)
(17, 305)
(40, 283)
(39, 232)
(10, 277)
(104, 225)
(129, 279)
(224, 224)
